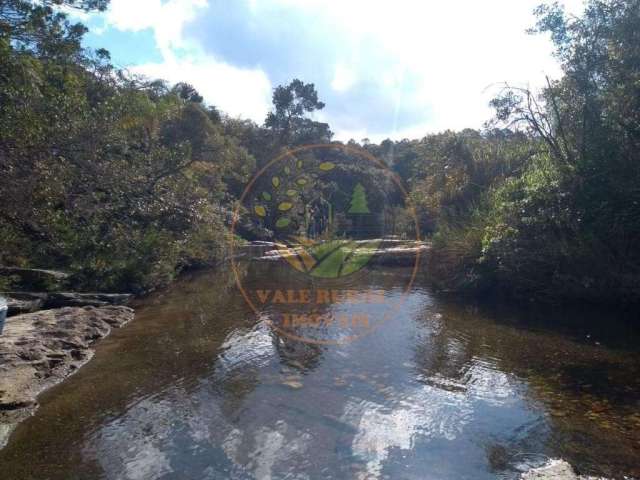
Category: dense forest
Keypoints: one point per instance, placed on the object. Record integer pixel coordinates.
(124, 181)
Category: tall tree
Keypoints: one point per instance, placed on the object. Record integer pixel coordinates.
(40, 26)
(291, 104)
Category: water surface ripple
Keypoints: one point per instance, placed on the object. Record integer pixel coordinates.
(199, 387)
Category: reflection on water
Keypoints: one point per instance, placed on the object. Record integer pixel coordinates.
(199, 387)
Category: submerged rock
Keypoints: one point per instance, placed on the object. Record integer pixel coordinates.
(294, 384)
(39, 350)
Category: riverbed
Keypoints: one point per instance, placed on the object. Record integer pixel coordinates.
(199, 386)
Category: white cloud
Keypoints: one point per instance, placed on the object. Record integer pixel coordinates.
(459, 50)
(445, 58)
(343, 78)
(167, 19)
(238, 92)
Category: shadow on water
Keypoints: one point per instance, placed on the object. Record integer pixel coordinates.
(199, 387)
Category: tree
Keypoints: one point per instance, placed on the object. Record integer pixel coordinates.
(42, 28)
(288, 122)
(565, 222)
(187, 92)
(359, 200)
(116, 179)
(589, 118)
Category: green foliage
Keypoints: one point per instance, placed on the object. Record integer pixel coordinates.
(288, 122)
(565, 222)
(120, 181)
(451, 171)
(124, 181)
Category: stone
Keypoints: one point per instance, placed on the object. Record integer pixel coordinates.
(389, 253)
(555, 470)
(340, 382)
(23, 302)
(28, 302)
(72, 299)
(34, 279)
(294, 384)
(39, 350)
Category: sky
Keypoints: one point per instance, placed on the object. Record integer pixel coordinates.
(385, 69)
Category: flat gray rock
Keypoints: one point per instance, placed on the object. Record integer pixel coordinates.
(39, 350)
(29, 302)
(34, 279)
(72, 299)
(555, 470)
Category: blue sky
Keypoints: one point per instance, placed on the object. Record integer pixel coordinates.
(384, 68)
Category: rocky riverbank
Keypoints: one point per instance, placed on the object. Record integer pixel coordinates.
(39, 350)
(555, 470)
(387, 251)
(29, 302)
(29, 290)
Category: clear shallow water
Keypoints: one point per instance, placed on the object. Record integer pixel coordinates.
(199, 387)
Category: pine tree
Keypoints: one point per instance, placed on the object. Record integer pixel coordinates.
(359, 200)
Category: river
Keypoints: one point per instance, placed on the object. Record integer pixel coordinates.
(200, 387)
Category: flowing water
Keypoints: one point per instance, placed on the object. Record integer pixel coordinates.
(200, 387)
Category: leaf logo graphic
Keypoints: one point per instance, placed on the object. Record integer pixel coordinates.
(329, 259)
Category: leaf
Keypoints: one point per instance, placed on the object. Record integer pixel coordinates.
(287, 170)
(260, 210)
(284, 206)
(292, 193)
(342, 257)
(283, 222)
(302, 181)
(359, 257)
(326, 166)
(275, 181)
(266, 196)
